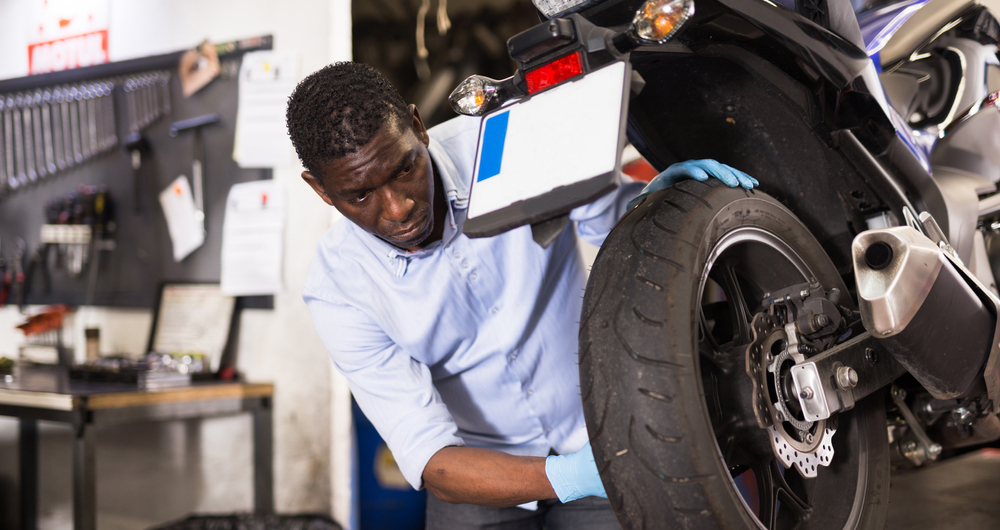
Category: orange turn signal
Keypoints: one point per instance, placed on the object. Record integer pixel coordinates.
(659, 20)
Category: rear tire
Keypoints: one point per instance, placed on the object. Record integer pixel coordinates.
(656, 396)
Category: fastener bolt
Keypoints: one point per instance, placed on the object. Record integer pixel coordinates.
(809, 438)
(934, 450)
(871, 356)
(909, 446)
(804, 293)
(964, 416)
(847, 377)
(807, 393)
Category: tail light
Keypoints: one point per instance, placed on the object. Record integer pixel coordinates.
(555, 72)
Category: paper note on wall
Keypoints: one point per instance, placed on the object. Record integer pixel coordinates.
(252, 239)
(267, 78)
(185, 222)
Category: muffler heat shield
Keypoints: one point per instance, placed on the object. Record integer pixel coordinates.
(916, 302)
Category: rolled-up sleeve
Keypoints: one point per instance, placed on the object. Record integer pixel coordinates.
(395, 391)
(595, 220)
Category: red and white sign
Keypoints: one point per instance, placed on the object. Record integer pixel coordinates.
(68, 34)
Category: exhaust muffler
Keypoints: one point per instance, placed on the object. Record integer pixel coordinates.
(918, 304)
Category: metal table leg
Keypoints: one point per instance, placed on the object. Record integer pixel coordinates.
(263, 458)
(84, 478)
(28, 448)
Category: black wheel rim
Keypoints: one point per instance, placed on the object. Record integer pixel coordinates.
(745, 264)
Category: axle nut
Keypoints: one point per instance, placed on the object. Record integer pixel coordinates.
(847, 377)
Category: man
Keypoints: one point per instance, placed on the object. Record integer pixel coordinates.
(462, 352)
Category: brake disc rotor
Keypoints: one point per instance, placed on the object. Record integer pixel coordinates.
(814, 445)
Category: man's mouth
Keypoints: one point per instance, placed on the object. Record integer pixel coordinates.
(412, 231)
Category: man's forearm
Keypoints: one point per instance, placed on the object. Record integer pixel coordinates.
(485, 477)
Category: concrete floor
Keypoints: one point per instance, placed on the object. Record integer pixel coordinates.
(961, 493)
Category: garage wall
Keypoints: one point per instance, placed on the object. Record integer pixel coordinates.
(155, 472)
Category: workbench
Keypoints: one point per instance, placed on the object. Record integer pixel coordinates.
(49, 395)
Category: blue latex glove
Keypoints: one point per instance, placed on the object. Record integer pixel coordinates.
(698, 170)
(574, 476)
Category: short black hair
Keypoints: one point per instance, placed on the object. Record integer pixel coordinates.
(338, 109)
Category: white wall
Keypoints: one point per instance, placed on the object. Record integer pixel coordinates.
(154, 472)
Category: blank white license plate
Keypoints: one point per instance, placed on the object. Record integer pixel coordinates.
(542, 156)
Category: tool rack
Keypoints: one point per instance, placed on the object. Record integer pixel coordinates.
(61, 130)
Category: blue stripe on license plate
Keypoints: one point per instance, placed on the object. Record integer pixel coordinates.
(491, 153)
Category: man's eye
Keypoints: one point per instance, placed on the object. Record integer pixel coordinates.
(360, 198)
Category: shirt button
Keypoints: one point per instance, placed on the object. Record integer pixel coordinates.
(473, 276)
(548, 430)
(457, 254)
(529, 392)
(495, 310)
(465, 264)
(512, 356)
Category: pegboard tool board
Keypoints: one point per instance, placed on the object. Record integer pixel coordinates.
(129, 274)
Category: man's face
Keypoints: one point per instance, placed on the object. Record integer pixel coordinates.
(385, 187)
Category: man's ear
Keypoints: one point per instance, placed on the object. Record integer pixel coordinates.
(418, 126)
(317, 186)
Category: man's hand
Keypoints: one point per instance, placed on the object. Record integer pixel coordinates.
(699, 170)
(575, 476)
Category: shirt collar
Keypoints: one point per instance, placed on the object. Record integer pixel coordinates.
(457, 190)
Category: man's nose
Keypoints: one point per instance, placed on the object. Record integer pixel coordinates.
(396, 206)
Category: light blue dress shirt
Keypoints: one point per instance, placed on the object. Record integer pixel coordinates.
(468, 341)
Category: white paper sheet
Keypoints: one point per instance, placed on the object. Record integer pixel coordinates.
(252, 239)
(267, 78)
(193, 318)
(185, 223)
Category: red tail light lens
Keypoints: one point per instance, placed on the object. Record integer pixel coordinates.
(554, 73)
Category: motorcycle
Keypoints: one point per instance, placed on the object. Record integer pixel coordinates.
(763, 358)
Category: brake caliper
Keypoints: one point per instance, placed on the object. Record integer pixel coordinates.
(801, 320)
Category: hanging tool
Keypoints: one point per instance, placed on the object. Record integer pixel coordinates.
(62, 97)
(110, 122)
(137, 145)
(36, 128)
(15, 114)
(72, 103)
(195, 125)
(58, 149)
(3, 152)
(81, 105)
(47, 137)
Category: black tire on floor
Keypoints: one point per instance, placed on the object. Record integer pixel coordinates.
(651, 401)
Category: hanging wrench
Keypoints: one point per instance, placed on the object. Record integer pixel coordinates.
(48, 139)
(8, 143)
(22, 172)
(165, 91)
(62, 97)
(110, 118)
(74, 123)
(81, 105)
(92, 118)
(3, 159)
(102, 132)
(29, 139)
(36, 123)
(59, 150)
(144, 103)
(132, 118)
